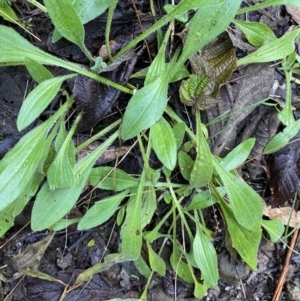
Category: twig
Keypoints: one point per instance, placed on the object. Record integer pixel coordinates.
(278, 290)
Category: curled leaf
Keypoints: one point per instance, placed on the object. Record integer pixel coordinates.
(215, 62)
(191, 89)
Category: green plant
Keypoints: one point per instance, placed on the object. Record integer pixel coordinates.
(209, 180)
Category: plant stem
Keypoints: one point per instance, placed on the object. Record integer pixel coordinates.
(38, 5)
(98, 135)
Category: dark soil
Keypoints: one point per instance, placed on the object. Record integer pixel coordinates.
(71, 251)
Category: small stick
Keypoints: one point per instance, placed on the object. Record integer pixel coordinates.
(278, 290)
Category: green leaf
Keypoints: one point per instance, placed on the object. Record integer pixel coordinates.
(246, 242)
(238, 155)
(6, 219)
(147, 104)
(164, 143)
(64, 223)
(31, 189)
(89, 10)
(183, 18)
(282, 138)
(66, 20)
(131, 232)
(269, 3)
(110, 178)
(206, 257)
(182, 269)
(14, 49)
(156, 262)
(60, 173)
(275, 228)
(111, 9)
(158, 65)
(244, 201)
(20, 163)
(186, 164)
(51, 205)
(200, 289)
(179, 132)
(7, 13)
(61, 136)
(101, 211)
(210, 20)
(38, 99)
(142, 267)
(145, 108)
(220, 12)
(276, 50)
(148, 206)
(203, 166)
(37, 71)
(201, 200)
(258, 34)
(109, 261)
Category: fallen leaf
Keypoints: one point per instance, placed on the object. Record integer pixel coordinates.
(294, 11)
(217, 62)
(285, 172)
(286, 214)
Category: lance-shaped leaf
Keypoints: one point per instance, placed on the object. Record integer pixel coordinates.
(101, 211)
(20, 164)
(203, 166)
(156, 262)
(257, 33)
(14, 49)
(131, 232)
(109, 178)
(66, 20)
(276, 50)
(6, 219)
(178, 265)
(215, 16)
(60, 173)
(268, 3)
(148, 104)
(282, 138)
(238, 155)
(37, 71)
(244, 201)
(145, 108)
(164, 143)
(206, 257)
(109, 261)
(246, 242)
(38, 99)
(186, 164)
(7, 13)
(275, 229)
(51, 205)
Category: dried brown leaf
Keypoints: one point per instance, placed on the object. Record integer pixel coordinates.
(285, 172)
(285, 214)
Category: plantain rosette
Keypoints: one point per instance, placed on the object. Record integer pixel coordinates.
(213, 66)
